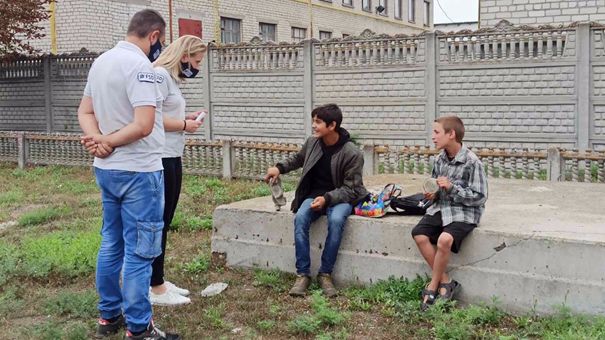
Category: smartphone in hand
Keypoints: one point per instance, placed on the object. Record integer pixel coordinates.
(200, 116)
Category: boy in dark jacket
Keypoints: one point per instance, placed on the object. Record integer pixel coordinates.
(331, 183)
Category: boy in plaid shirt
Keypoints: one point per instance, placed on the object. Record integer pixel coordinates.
(457, 208)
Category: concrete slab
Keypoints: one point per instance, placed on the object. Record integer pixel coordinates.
(539, 244)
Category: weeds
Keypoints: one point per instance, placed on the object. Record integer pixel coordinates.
(323, 316)
(8, 261)
(66, 253)
(11, 197)
(53, 331)
(199, 265)
(10, 302)
(73, 304)
(42, 215)
(390, 292)
(214, 316)
(265, 325)
(273, 279)
(195, 223)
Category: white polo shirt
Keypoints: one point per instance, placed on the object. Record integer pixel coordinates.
(120, 80)
(173, 107)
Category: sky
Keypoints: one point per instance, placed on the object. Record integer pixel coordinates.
(457, 10)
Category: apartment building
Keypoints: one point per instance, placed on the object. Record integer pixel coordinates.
(98, 25)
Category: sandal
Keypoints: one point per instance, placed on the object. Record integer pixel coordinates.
(450, 289)
(431, 296)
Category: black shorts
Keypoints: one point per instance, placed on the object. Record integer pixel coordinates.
(432, 226)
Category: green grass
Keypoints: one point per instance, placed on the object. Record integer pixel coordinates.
(265, 325)
(42, 215)
(10, 302)
(199, 265)
(52, 331)
(65, 253)
(73, 304)
(11, 197)
(47, 277)
(323, 316)
(9, 257)
(194, 223)
(389, 292)
(214, 316)
(273, 279)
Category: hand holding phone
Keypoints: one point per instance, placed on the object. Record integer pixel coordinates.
(200, 116)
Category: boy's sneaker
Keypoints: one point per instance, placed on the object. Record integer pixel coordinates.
(181, 291)
(170, 298)
(300, 286)
(326, 284)
(152, 333)
(106, 328)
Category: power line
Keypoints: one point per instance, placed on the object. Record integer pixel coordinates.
(442, 10)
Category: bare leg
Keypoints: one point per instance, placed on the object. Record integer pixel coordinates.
(161, 289)
(441, 259)
(428, 251)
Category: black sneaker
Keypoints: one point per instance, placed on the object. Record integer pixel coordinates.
(106, 328)
(152, 333)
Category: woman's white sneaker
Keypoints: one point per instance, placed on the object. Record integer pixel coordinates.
(170, 298)
(172, 287)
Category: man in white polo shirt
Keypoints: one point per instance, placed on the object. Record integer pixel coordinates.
(121, 117)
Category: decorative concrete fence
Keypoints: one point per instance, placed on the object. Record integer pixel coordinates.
(515, 87)
(236, 159)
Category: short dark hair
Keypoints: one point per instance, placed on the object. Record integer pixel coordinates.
(450, 123)
(146, 21)
(328, 113)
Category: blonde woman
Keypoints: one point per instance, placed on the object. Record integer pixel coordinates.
(182, 59)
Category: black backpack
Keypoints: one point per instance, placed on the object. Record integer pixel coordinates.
(410, 205)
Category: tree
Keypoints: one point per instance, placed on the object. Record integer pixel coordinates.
(20, 24)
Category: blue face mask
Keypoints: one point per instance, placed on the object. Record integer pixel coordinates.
(154, 51)
(188, 71)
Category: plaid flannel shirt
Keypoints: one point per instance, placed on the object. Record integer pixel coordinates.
(465, 201)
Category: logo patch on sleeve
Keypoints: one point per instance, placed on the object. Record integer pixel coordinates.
(148, 77)
(159, 78)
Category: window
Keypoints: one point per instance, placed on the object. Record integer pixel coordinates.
(383, 3)
(411, 10)
(267, 31)
(398, 12)
(325, 35)
(230, 31)
(299, 34)
(366, 5)
(427, 13)
(348, 3)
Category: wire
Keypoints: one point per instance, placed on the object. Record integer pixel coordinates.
(442, 10)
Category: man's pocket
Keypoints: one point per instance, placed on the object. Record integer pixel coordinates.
(149, 239)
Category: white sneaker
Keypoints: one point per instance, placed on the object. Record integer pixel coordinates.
(172, 287)
(169, 298)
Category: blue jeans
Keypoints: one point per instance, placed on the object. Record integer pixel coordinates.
(133, 205)
(337, 217)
